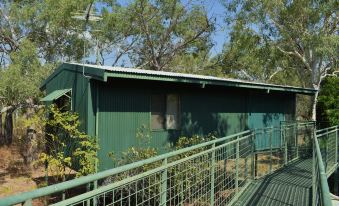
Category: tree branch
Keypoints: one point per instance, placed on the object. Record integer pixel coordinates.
(297, 54)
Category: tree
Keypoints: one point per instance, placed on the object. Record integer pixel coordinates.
(328, 107)
(19, 84)
(299, 36)
(155, 33)
(47, 24)
(34, 35)
(67, 148)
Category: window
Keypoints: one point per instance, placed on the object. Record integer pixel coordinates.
(165, 112)
(64, 102)
(158, 112)
(172, 112)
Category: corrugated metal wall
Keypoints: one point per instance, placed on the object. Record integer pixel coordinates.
(269, 109)
(79, 85)
(124, 106)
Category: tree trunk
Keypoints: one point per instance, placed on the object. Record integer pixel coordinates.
(9, 126)
(29, 152)
(314, 105)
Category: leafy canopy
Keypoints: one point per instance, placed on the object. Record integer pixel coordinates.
(271, 36)
(329, 100)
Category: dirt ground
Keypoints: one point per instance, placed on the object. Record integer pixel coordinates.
(15, 176)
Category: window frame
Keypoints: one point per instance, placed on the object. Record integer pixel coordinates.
(165, 113)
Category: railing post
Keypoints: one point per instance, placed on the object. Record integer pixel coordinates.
(326, 150)
(314, 189)
(212, 175)
(163, 184)
(95, 186)
(252, 153)
(237, 167)
(285, 147)
(336, 145)
(296, 129)
(88, 188)
(270, 139)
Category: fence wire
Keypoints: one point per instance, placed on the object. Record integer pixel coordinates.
(211, 173)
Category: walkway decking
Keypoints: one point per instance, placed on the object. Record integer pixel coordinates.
(290, 185)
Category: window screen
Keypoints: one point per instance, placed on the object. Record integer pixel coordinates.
(158, 109)
(172, 112)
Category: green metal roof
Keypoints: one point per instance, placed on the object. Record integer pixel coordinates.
(55, 95)
(102, 73)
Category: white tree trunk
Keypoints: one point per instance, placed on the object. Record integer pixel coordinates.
(314, 104)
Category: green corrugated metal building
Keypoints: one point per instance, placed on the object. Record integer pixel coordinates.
(113, 103)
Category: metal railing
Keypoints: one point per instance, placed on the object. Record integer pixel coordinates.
(325, 162)
(211, 173)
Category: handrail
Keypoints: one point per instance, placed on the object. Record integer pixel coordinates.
(166, 162)
(19, 198)
(325, 192)
(327, 129)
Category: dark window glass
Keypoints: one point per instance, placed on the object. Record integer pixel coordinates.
(158, 109)
(64, 102)
(172, 112)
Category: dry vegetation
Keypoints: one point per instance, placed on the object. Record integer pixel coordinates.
(15, 176)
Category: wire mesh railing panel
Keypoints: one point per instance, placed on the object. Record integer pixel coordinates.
(328, 144)
(325, 159)
(304, 139)
(211, 173)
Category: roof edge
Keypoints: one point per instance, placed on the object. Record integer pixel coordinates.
(102, 73)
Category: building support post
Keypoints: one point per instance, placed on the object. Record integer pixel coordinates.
(285, 146)
(253, 155)
(271, 154)
(237, 167)
(212, 174)
(296, 139)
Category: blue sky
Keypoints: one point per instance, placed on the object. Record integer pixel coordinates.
(215, 10)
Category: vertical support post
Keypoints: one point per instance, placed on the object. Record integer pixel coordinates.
(252, 155)
(95, 186)
(46, 180)
(212, 174)
(246, 169)
(296, 139)
(336, 146)
(88, 188)
(326, 150)
(314, 186)
(271, 158)
(285, 146)
(63, 195)
(237, 167)
(163, 184)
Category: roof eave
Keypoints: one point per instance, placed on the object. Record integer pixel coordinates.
(307, 91)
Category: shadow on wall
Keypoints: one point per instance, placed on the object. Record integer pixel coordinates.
(203, 124)
(272, 119)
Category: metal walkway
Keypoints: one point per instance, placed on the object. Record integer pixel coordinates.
(286, 165)
(290, 185)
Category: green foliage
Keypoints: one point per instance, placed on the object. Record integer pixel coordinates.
(155, 34)
(185, 175)
(21, 80)
(329, 101)
(275, 37)
(67, 147)
(141, 151)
